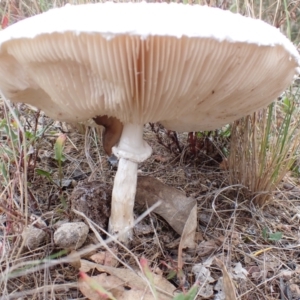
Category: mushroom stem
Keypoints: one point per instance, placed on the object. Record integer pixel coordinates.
(131, 150)
(123, 197)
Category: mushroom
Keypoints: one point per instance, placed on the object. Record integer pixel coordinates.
(191, 68)
(112, 131)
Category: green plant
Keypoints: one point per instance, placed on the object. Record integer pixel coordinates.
(60, 158)
(58, 154)
(190, 295)
(267, 236)
(21, 143)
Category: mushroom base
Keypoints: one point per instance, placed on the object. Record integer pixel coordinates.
(123, 196)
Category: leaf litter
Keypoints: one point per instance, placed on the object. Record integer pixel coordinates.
(255, 259)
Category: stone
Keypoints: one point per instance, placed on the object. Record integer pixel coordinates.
(71, 235)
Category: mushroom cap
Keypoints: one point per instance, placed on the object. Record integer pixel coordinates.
(188, 67)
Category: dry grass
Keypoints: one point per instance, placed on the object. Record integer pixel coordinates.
(264, 148)
(230, 227)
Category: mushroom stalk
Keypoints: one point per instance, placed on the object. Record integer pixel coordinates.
(131, 150)
(123, 196)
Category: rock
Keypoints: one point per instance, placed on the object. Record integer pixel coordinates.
(71, 235)
(34, 234)
(33, 237)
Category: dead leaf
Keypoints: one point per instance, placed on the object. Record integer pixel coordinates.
(257, 276)
(208, 262)
(133, 280)
(204, 278)
(233, 238)
(206, 291)
(240, 272)
(75, 262)
(87, 291)
(286, 274)
(202, 273)
(111, 283)
(198, 237)
(143, 229)
(173, 244)
(253, 269)
(294, 288)
(219, 289)
(284, 227)
(161, 158)
(189, 231)
(105, 258)
(175, 207)
(228, 286)
(88, 250)
(98, 257)
(158, 271)
(206, 247)
(187, 240)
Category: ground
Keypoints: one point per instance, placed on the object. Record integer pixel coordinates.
(258, 246)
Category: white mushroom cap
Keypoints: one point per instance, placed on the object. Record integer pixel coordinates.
(189, 67)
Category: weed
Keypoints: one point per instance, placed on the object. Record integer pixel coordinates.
(267, 236)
